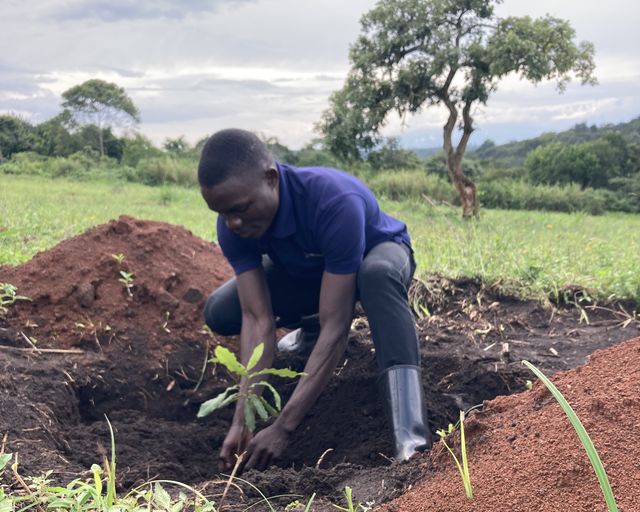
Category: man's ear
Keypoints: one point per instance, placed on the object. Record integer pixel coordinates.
(272, 177)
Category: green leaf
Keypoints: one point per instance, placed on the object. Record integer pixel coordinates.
(249, 416)
(255, 356)
(218, 402)
(259, 407)
(225, 357)
(276, 395)
(270, 409)
(4, 459)
(594, 458)
(286, 373)
(161, 497)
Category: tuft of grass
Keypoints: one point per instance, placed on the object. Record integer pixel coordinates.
(587, 444)
(463, 467)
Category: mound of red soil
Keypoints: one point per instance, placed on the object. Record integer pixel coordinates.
(524, 455)
(77, 297)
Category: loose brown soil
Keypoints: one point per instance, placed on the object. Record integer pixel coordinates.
(139, 360)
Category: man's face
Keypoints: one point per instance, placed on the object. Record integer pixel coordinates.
(248, 204)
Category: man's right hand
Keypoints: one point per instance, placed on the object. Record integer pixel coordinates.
(234, 444)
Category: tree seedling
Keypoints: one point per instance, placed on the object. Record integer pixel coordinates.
(9, 296)
(126, 278)
(250, 391)
(463, 468)
(255, 405)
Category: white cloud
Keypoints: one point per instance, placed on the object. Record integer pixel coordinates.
(270, 65)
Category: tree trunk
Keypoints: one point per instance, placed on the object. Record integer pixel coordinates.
(101, 139)
(465, 187)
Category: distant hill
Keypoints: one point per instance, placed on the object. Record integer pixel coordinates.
(513, 154)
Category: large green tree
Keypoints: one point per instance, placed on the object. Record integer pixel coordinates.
(413, 54)
(101, 103)
(16, 135)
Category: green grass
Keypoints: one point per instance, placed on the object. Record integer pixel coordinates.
(534, 253)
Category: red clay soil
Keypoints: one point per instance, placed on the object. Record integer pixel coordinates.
(78, 300)
(525, 456)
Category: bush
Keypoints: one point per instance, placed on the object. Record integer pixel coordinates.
(412, 184)
(521, 195)
(158, 171)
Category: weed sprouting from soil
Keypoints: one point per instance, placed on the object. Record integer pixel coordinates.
(594, 458)
(350, 507)
(9, 296)
(463, 466)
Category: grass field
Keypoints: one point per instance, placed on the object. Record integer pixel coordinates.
(533, 253)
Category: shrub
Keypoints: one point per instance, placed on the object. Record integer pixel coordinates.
(521, 195)
(412, 184)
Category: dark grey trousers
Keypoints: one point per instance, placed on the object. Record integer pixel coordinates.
(382, 284)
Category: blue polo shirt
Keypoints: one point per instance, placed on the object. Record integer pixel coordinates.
(326, 220)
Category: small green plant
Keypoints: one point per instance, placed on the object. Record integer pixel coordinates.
(118, 257)
(254, 403)
(463, 468)
(587, 444)
(9, 296)
(126, 278)
(350, 507)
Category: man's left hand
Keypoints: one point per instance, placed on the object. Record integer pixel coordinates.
(267, 445)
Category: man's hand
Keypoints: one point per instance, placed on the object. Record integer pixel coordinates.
(267, 445)
(235, 443)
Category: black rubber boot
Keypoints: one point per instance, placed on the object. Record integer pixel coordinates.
(403, 397)
(302, 340)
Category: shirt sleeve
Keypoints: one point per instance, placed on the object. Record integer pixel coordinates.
(242, 253)
(341, 225)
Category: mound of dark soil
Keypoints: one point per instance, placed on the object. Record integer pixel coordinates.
(147, 373)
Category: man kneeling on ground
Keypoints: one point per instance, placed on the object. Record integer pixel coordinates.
(305, 244)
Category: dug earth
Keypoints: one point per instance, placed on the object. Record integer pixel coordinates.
(114, 327)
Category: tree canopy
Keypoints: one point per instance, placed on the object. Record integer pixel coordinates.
(413, 54)
(101, 103)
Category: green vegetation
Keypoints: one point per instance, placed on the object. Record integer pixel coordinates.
(463, 467)
(594, 458)
(532, 253)
(9, 296)
(254, 403)
(413, 54)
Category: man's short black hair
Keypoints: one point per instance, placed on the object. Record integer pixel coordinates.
(232, 152)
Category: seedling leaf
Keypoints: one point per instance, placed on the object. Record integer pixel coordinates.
(286, 373)
(255, 356)
(259, 407)
(276, 395)
(594, 458)
(249, 416)
(225, 357)
(222, 400)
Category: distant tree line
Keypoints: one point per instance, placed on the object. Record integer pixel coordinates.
(582, 169)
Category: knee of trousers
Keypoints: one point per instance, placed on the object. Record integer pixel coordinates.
(217, 318)
(377, 275)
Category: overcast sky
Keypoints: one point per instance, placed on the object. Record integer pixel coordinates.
(196, 66)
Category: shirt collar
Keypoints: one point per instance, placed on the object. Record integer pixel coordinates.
(284, 223)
